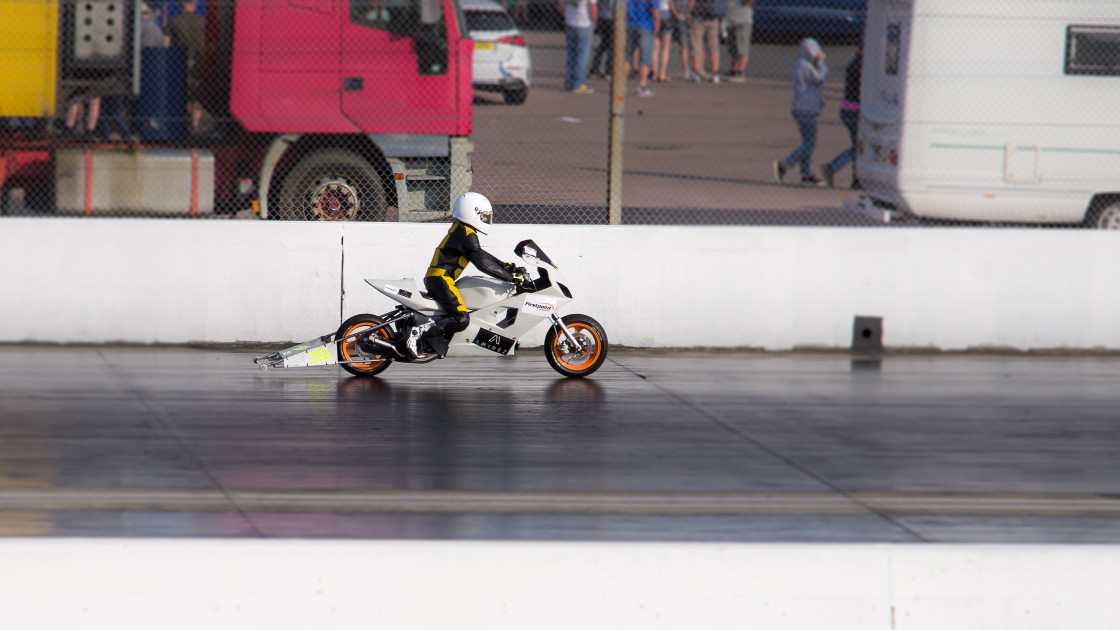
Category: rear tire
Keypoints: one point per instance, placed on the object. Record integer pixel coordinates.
(350, 349)
(568, 361)
(332, 185)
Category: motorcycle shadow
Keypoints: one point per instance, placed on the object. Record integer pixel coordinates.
(561, 390)
(575, 390)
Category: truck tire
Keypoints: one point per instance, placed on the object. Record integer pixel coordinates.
(332, 185)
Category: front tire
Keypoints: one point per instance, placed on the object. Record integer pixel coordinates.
(333, 185)
(351, 349)
(572, 362)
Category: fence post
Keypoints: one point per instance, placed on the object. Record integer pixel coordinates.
(618, 110)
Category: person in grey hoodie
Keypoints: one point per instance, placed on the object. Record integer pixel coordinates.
(809, 74)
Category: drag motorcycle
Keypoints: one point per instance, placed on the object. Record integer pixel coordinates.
(501, 313)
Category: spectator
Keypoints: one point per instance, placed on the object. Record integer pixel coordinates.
(642, 17)
(91, 111)
(703, 31)
(519, 9)
(604, 28)
(188, 30)
(662, 38)
(740, 20)
(809, 74)
(679, 21)
(579, 20)
(849, 115)
(113, 123)
(151, 35)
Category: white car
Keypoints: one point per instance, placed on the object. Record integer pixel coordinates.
(501, 57)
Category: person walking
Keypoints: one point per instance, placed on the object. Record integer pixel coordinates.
(579, 21)
(849, 116)
(809, 74)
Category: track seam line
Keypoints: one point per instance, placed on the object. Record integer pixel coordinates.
(165, 424)
(779, 456)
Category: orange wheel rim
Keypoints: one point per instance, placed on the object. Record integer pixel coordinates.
(351, 352)
(578, 361)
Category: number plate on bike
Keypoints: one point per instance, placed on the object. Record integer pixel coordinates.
(493, 342)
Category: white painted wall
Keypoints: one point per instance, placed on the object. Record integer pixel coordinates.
(144, 281)
(218, 584)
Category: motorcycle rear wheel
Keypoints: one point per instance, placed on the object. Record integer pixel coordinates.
(569, 361)
(350, 349)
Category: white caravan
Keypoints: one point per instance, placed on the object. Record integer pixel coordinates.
(992, 110)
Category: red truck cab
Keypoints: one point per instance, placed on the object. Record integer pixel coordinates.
(316, 109)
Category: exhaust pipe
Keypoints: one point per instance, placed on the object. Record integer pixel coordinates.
(378, 342)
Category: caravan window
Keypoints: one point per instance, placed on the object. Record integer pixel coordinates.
(1093, 50)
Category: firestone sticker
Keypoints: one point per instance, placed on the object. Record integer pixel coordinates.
(538, 306)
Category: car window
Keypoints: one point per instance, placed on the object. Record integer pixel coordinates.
(489, 21)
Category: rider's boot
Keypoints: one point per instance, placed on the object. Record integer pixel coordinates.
(412, 340)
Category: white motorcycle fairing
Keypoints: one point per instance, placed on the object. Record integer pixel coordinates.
(499, 316)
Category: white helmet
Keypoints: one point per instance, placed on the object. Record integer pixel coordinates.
(474, 210)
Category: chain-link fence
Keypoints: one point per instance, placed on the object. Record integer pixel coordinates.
(932, 111)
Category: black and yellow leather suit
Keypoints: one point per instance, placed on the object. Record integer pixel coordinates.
(458, 249)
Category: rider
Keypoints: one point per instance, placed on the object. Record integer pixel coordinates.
(460, 247)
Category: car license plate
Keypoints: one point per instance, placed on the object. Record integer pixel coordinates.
(483, 45)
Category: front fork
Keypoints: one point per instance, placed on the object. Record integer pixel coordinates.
(576, 345)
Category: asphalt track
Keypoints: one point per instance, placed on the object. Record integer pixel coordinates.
(141, 442)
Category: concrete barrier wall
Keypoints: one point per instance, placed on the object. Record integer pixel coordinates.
(217, 584)
(145, 281)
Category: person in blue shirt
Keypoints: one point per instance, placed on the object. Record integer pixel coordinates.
(642, 17)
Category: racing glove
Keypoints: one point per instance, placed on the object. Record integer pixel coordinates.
(522, 281)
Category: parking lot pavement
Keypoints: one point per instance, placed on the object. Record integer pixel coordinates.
(691, 146)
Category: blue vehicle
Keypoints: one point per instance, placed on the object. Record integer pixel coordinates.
(792, 19)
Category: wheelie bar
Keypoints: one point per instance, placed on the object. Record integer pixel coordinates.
(321, 350)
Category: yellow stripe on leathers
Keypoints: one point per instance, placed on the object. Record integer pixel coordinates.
(28, 57)
(455, 291)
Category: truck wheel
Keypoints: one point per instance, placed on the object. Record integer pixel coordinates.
(332, 185)
(1106, 216)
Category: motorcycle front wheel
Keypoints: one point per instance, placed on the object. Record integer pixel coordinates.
(369, 363)
(575, 362)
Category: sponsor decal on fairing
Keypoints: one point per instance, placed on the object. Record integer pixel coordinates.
(536, 305)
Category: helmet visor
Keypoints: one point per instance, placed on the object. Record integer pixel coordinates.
(486, 216)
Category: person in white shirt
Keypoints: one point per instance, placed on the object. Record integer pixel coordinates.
(580, 17)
